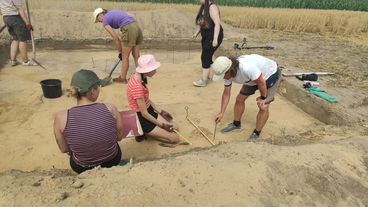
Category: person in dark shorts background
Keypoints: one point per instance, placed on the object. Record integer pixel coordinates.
(90, 131)
(17, 22)
(130, 40)
(209, 25)
(155, 122)
(255, 72)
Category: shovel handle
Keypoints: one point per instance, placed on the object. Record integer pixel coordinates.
(112, 70)
(32, 38)
(2, 28)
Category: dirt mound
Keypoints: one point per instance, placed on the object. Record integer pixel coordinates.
(333, 173)
(72, 25)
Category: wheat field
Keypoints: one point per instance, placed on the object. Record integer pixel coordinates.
(352, 5)
(322, 22)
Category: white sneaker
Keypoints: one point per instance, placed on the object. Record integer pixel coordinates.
(29, 63)
(14, 63)
(200, 83)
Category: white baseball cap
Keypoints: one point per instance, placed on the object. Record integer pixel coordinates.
(220, 66)
(96, 13)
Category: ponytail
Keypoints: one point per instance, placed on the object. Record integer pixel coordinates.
(234, 66)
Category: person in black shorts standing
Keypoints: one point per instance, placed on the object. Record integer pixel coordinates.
(209, 25)
(17, 22)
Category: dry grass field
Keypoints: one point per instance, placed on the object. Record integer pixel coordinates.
(344, 23)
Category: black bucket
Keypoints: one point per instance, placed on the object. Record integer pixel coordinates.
(51, 88)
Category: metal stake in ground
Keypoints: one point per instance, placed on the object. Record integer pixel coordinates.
(214, 133)
(205, 136)
(32, 38)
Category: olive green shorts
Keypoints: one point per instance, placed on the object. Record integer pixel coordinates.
(131, 35)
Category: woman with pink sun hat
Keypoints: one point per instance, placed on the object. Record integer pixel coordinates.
(155, 122)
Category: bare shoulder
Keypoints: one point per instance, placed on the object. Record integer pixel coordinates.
(214, 10)
(111, 107)
(61, 119)
(214, 7)
(113, 110)
(61, 114)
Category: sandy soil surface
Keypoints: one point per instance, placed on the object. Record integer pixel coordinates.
(29, 120)
(330, 173)
(298, 162)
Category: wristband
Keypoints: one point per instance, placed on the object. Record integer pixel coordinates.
(263, 97)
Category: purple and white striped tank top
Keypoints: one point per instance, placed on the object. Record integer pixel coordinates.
(90, 133)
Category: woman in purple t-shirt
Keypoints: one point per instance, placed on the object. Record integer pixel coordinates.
(130, 39)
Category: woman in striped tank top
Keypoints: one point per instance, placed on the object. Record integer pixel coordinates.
(89, 132)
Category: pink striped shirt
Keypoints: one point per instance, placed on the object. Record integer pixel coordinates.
(90, 133)
(136, 90)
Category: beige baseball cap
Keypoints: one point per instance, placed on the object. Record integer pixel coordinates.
(220, 66)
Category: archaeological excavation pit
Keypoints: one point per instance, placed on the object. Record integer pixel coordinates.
(28, 142)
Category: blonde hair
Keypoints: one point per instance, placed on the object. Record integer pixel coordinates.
(74, 91)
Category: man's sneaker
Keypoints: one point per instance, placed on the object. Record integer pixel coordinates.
(200, 83)
(14, 62)
(253, 137)
(29, 63)
(230, 127)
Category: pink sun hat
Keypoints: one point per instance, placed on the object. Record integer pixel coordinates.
(147, 63)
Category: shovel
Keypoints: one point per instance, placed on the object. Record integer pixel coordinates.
(2, 28)
(107, 80)
(32, 38)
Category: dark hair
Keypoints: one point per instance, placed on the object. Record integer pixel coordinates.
(233, 70)
(205, 17)
(144, 80)
(104, 11)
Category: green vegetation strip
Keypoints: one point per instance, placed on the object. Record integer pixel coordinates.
(354, 5)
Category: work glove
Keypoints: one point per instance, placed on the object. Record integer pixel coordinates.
(167, 127)
(29, 27)
(166, 115)
(120, 56)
